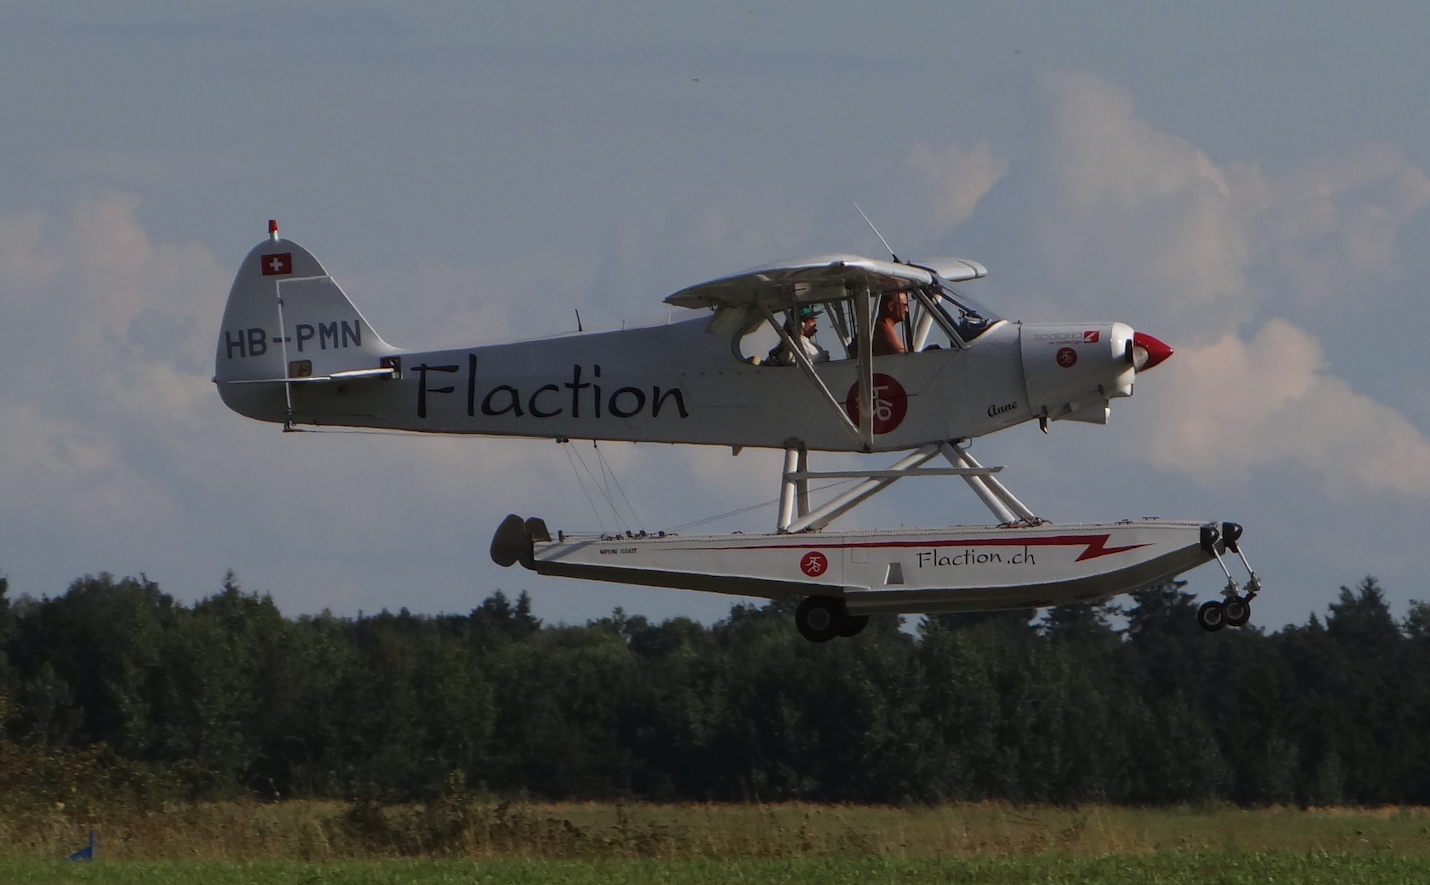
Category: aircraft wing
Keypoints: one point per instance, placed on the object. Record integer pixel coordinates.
(819, 279)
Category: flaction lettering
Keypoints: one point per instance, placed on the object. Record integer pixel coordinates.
(973, 556)
(546, 401)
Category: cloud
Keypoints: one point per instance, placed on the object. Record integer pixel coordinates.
(26, 267)
(109, 344)
(1142, 217)
(1149, 224)
(118, 451)
(1231, 406)
(67, 474)
(1333, 225)
(960, 177)
(1182, 243)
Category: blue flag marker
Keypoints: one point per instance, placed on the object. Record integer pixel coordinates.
(90, 852)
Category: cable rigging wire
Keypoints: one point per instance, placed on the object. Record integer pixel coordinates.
(606, 470)
(602, 485)
(594, 511)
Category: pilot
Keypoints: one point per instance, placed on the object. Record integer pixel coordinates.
(889, 325)
(781, 356)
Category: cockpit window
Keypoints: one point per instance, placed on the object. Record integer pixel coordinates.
(809, 327)
(904, 319)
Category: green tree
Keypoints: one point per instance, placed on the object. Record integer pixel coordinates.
(1370, 726)
(91, 652)
(7, 674)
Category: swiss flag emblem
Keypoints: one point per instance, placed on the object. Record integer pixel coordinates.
(277, 264)
(1089, 337)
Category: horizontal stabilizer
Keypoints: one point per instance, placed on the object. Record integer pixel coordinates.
(352, 375)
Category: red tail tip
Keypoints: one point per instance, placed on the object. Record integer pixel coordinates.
(273, 228)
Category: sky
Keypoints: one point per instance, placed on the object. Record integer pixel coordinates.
(1246, 182)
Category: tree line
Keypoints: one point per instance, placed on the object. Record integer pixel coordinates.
(1086, 703)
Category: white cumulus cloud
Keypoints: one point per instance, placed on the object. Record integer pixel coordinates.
(1234, 405)
(960, 177)
(1191, 250)
(1151, 226)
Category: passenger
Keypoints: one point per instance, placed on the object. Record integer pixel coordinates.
(781, 356)
(889, 326)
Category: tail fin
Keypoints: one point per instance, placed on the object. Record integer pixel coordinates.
(286, 320)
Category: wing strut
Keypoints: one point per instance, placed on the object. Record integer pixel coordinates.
(864, 324)
(794, 490)
(802, 359)
(794, 487)
(994, 495)
(842, 504)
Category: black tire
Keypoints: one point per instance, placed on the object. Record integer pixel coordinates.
(1237, 611)
(1212, 616)
(511, 544)
(819, 618)
(853, 625)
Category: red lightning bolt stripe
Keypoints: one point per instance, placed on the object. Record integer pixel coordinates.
(1093, 546)
(1097, 546)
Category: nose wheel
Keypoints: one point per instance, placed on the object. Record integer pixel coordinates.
(1235, 609)
(1214, 615)
(1211, 616)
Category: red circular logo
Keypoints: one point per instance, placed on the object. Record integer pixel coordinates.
(814, 564)
(891, 404)
(1067, 357)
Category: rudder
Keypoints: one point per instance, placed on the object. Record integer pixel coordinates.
(286, 318)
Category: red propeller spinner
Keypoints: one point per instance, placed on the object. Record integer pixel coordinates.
(1147, 351)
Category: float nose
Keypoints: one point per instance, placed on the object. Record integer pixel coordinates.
(1147, 351)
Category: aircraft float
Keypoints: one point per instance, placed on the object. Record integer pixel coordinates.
(914, 366)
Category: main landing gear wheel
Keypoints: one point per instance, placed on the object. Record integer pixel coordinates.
(1212, 616)
(821, 618)
(1237, 611)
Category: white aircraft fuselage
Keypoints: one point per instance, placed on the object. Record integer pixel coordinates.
(682, 382)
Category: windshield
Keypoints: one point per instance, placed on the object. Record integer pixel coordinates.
(957, 312)
(968, 318)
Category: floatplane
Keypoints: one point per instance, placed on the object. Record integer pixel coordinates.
(911, 366)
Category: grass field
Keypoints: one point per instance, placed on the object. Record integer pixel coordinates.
(300, 831)
(1231, 868)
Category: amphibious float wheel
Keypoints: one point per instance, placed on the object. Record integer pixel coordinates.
(1237, 611)
(853, 625)
(1212, 616)
(819, 618)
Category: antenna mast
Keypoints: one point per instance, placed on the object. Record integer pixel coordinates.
(876, 233)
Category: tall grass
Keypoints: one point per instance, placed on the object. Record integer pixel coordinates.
(50, 801)
(474, 829)
(1230, 868)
